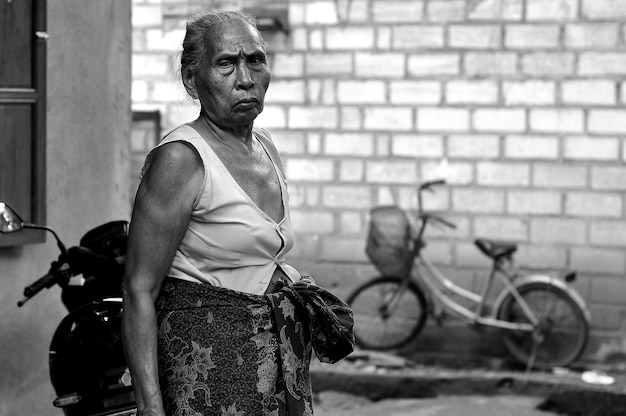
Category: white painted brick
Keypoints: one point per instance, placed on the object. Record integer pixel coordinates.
(286, 91)
(349, 144)
(393, 11)
(457, 173)
(477, 200)
(178, 114)
(558, 230)
(379, 65)
(591, 35)
(597, 260)
(139, 91)
(551, 10)
(417, 37)
(351, 170)
(529, 92)
(598, 63)
(488, 63)
(531, 147)
(510, 229)
(317, 222)
(328, 63)
(312, 117)
(559, 176)
(361, 92)
(354, 197)
(531, 36)
(383, 145)
(589, 204)
(287, 65)
(556, 120)
(299, 39)
(296, 13)
(168, 92)
(541, 256)
(358, 10)
(351, 223)
(443, 119)
(472, 92)
(415, 92)
(158, 40)
(474, 146)
(468, 256)
(309, 170)
(608, 177)
(316, 39)
(499, 120)
(351, 38)
(603, 9)
(144, 15)
(314, 143)
(149, 65)
(533, 202)
(591, 148)
(438, 200)
(321, 91)
(502, 174)
(434, 64)
(383, 38)
(289, 142)
(607, 121)
(608, 233)
(594, 92)
(342, 249)
(320, 13)
(498, 10)
(350, 118)
(418, 146)
(548, 63)
(391, 171)
(474, 36)
(445, 10)
(388, 118)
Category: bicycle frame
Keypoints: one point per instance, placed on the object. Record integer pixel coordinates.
(437, 284)
(423, 271)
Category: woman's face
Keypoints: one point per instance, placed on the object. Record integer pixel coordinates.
(234, 75)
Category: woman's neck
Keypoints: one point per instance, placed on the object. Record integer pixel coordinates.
(227, 133)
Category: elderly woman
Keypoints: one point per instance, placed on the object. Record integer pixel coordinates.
(214, 321)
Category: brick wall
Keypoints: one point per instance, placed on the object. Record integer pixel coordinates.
(519, 104)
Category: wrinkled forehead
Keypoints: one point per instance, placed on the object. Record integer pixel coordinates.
(233, 38)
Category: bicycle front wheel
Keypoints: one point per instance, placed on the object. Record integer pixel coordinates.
(563, 329)
(388, 312)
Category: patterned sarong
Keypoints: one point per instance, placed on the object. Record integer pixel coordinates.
(223, 352)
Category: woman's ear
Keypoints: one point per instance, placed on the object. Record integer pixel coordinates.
(189, 81)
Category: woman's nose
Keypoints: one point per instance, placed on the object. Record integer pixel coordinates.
(244, 78)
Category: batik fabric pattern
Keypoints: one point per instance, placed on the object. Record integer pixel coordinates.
(221, 352)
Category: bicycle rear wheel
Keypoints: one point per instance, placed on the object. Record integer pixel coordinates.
(563, 328)
(388, 312)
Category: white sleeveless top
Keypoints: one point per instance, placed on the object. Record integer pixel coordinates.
(230, 241)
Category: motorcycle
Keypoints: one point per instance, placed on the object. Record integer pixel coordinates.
(87, 366)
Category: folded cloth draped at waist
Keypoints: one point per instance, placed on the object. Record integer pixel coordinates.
(330, 319)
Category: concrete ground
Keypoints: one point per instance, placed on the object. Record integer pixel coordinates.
(343, 404)
(368, 383)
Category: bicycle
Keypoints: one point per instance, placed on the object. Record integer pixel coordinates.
(545, 321)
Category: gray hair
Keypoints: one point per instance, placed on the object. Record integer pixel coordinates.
(194, 46)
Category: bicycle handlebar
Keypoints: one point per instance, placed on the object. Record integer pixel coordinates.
(440, 220)
(429, 184)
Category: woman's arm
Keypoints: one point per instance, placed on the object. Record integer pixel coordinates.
(160, 218)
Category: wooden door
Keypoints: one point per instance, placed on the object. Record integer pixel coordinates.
(22, 112)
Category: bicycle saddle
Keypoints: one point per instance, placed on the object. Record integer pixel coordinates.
(495, 249)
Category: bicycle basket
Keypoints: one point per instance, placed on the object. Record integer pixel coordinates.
(388, 240)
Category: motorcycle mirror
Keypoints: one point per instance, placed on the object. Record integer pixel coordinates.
(10, 221)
